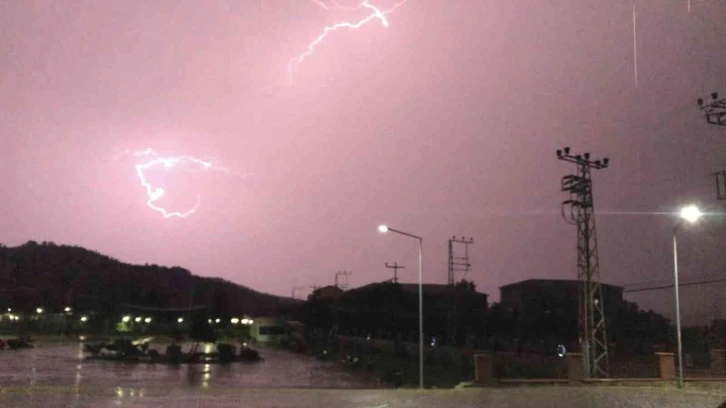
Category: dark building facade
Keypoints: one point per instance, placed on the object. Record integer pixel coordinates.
(545, 311)
(389, 310)
(530, 295)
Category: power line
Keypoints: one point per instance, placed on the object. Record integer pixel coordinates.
(673, 285)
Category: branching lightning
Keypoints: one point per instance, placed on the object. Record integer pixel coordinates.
(635, 49)
(186, 163)
(374, 13)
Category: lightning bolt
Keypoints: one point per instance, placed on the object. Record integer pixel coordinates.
(187, 163)
(374, 13)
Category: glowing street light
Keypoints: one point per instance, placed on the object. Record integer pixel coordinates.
(235, 320)
(147, 320)
(67, 309)
(126, 319)
(84, 318)
(245, 321)
(689, 214)
(250, 321)
(385, 229)
(138, 319)
(180, 320)
(39, 310)
(217, 321)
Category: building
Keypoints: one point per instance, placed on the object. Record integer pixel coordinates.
(267, 329)
(326, 294)
(387, 310)
(532, 294)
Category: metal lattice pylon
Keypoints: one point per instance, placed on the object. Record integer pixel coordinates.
(579, 210)
(715, 113)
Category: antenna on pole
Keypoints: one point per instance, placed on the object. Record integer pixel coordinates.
(395, 266)
(342, 273)
(459, 263)
(715, 113)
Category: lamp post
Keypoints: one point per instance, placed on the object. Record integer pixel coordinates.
(690, 214)
(384, 228)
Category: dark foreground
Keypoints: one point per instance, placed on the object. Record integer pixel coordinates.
(541, 397)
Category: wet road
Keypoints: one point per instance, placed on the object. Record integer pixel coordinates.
(54, 376)
(540, 397)
(63, 365)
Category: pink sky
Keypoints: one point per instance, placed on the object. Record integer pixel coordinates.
(445, 123)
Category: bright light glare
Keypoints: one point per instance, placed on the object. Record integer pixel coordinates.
(235, 320)
(147, 320)
(244, 321)
(126, 319)
(84, 318)
(180, 320)
(39, 310)
(250, 321)
(383, 228)
(691, 213)
(138, 319)
(68, 309)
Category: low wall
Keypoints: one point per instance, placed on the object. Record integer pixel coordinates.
(568, 370)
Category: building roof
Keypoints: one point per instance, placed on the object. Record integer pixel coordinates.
(550, 282)
(428, 288)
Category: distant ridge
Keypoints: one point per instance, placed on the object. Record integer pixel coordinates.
(55, 276)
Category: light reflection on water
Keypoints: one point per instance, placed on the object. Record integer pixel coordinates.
(58, 375)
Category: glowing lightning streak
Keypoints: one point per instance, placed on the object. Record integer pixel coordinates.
(154, 194)
(375, 14)
(635, 50)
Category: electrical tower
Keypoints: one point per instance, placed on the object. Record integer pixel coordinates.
(459, 263)
(395, 268)
(715, 113)
(342, 273)
(580, 211)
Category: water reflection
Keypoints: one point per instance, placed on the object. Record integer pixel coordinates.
(60, 376)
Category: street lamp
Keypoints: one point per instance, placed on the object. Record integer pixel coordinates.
(384, 229)
(689, 214)
(39, 310)
(235, 320)
(180, 320)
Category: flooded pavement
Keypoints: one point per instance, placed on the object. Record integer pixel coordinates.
(57, 376)
(64, 365)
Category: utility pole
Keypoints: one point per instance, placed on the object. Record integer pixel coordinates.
(456, 264)
(715, 113)
(580, 211)
(342, 273)
(461, 263)
(720, 185)
(395, 268)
